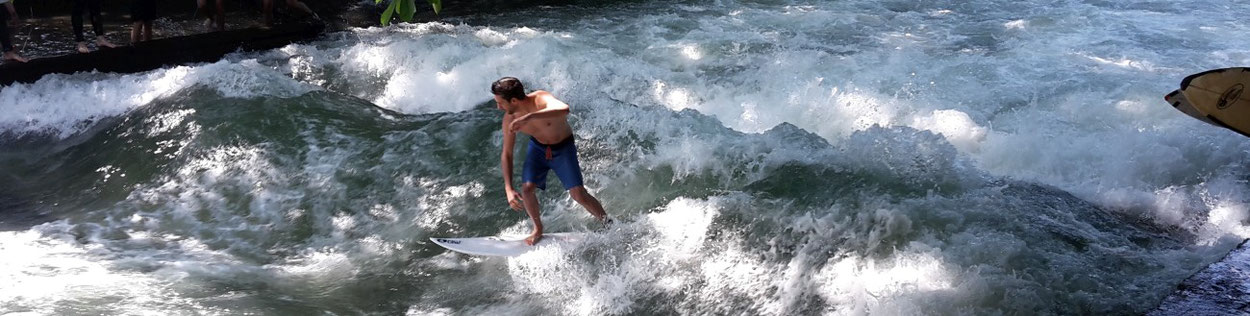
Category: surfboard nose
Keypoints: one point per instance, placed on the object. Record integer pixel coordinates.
(1216, 97)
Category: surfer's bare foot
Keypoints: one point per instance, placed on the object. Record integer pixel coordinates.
(101, 42)
(82, 48)
(534, 238)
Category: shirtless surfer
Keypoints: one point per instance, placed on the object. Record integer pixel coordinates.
(543, 117)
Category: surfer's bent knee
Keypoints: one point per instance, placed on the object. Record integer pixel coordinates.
(579, 193)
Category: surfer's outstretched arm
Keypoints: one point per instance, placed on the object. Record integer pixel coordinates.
(505, 161)
(515, 200)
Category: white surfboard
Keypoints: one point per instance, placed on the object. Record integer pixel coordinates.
(505, 246)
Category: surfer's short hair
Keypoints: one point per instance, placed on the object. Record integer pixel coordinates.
(508, 88)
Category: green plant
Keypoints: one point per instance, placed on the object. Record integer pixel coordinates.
(406, 8)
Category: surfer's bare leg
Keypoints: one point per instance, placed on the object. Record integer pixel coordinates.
(528, 191)
(588, 201)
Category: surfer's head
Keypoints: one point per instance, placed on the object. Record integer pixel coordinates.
(507, 90)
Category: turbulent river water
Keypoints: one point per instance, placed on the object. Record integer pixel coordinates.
(760, 157)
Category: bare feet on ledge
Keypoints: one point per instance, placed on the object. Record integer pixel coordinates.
(101, 42)
(13, 56)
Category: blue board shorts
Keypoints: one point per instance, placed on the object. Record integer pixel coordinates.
(560, 157)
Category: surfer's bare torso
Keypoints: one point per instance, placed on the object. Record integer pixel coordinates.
(546, 129)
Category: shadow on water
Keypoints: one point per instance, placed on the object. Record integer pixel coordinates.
(25, 159)
(18, 213)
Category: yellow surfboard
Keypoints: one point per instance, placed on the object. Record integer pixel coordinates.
(1217, 97)
(1178, 101)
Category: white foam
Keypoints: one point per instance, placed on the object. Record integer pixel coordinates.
(864, 286)
(319, 266)
(46, 270)
(417, 311)
(956, 126)
(62, 105)
(1016, 24)
(675, 256)
(435, 67)
(1123, 63)
(683, 226)
(555, 273)
(491, 37)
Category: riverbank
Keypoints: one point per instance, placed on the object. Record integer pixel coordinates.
(144, 56)
(182, 34)
(46, 28)
(1222, 288)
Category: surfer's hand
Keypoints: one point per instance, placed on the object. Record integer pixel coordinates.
(519, 122)
(514, 200)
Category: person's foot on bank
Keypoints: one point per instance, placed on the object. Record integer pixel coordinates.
(82, 48)
(101, 42)
(13, 56)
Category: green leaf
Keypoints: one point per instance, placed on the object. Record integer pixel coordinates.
(406, 9)
(377, 2)
(437, 4)
(386, 15)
